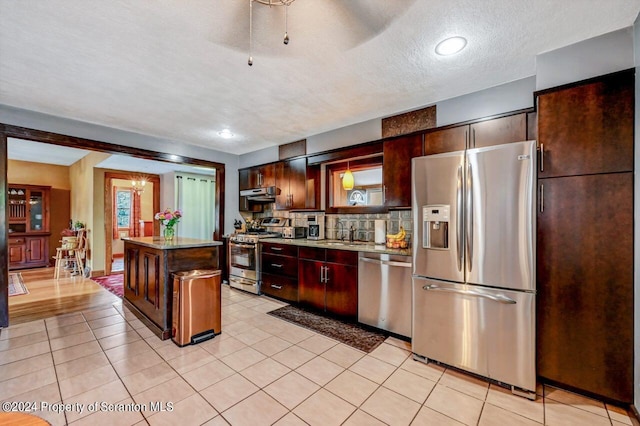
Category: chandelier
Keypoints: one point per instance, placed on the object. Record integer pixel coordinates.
(285, 3)
(138, 185)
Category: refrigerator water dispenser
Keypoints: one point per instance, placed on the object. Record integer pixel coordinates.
(435, 227)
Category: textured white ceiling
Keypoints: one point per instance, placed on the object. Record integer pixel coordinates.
(178, 69)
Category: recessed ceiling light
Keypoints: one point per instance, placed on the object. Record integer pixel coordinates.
(226, 133)
(451, 45)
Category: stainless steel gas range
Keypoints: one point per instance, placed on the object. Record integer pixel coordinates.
(244, 253)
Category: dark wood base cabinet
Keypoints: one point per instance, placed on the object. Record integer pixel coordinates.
(585, 284)
(328, 281)
(280, 271)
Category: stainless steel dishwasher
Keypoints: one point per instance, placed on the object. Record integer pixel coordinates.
(384, 292)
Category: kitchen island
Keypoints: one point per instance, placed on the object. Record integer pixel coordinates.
(149, 263)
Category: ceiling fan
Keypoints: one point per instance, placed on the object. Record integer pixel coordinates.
(252, 26)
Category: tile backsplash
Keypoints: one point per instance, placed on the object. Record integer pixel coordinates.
(337, 225)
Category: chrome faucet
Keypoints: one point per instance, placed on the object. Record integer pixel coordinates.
(341, 237)
(352, 234)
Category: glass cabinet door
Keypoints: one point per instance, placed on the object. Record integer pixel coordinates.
(36, 214)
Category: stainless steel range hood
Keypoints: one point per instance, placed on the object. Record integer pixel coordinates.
(263, 195)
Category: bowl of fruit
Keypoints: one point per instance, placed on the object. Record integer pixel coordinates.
(398, 240)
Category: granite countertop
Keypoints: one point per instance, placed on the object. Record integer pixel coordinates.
(176, 243)
(362, 246)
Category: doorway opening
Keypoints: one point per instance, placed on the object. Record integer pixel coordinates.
(10, 131)
(128, 213)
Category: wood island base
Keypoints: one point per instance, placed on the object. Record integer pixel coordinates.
(149, 265)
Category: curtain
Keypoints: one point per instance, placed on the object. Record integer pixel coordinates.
(195, 198)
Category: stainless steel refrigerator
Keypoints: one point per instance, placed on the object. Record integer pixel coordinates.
(474, 285)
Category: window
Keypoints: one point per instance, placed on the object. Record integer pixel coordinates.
(367, 194)
(123, 207)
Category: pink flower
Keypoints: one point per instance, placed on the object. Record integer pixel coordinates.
(168, 218)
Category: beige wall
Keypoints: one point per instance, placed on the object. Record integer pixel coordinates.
(146, 203)
(99, 238)
(29, 173)
(83, 208)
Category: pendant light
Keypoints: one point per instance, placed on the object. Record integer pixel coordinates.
(347, 179)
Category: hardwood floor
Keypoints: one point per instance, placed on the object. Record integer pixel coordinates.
(48, 297)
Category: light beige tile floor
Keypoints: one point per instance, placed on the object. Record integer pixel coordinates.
(259, 371)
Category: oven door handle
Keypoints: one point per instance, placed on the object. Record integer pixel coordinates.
(249, 246)
(243, 281)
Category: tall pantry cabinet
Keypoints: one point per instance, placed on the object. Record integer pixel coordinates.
(585, 236)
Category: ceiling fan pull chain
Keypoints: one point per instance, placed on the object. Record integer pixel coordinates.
(286, 32)
(250, 62)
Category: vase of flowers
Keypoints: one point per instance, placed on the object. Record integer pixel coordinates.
(169, 219)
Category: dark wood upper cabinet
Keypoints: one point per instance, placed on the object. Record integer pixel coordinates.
(396, 169)
(291, 179)
(587, 128)
(585, 284)
(498, 131)
(257, 177)
(244, 179)
(446, 140)
(495, 131)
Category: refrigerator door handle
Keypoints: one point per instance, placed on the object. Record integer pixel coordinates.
(459, 222)
(497, 298)
(469, 215)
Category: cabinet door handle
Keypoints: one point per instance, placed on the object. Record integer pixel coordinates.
(542, 198)
(277, 287)
(326, 274)
(384, 194)
(276, 265)
(474, 137)
(322, 274)
(542, 157)
(467, 139)
(276, 248)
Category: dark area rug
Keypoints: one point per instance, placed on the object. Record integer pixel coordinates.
(348, 333)
(114, 283)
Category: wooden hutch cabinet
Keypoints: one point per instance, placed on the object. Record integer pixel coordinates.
(28, 226)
